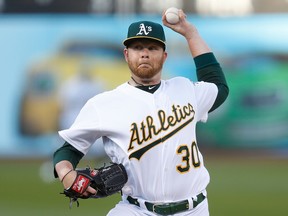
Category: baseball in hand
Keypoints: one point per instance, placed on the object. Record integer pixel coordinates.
(172, 16)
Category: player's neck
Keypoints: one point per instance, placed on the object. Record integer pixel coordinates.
(136, 82)
(151, 88)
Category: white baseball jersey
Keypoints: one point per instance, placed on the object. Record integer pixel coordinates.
(152, 135)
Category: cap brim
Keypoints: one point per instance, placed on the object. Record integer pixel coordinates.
(128, 40)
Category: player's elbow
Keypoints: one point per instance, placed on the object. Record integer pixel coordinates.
(223, 92)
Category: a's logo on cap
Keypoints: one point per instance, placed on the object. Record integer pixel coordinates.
(144, 29)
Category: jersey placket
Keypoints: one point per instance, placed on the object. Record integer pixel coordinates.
(161, 103)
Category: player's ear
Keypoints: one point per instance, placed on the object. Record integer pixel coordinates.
(165, 56)
(125, 52)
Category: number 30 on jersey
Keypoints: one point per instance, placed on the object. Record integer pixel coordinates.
(190, 156)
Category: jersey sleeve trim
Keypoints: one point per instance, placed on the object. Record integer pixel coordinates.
(209, 70)
(69, 153)
(205, 60)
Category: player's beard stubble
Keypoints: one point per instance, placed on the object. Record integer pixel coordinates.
(146, 71)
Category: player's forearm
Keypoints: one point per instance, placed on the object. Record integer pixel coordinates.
(63, 168)
(196, 43)
(66, 153)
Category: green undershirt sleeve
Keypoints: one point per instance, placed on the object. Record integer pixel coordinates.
(69, 153)
(208, 70)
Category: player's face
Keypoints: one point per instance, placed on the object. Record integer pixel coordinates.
(145, 58)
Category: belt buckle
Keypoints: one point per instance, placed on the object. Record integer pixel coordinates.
(163, 208)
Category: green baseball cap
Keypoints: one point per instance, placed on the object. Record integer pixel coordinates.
(145, 29)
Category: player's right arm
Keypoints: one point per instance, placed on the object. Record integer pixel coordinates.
(69, 157)
(65, 159)
(63, 170)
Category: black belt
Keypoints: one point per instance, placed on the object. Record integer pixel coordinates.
(168, 208)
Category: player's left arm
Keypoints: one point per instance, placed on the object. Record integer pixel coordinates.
(209, 70)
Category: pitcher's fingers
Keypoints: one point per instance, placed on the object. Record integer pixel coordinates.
(91, 190)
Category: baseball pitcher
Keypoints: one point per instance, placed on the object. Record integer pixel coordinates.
(148, 127)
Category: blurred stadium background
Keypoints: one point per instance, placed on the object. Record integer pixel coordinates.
(55, 53)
